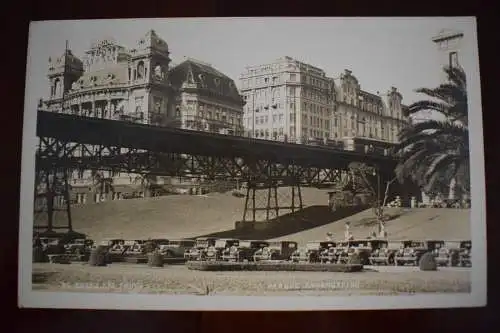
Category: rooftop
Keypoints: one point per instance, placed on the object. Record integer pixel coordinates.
(447, 34)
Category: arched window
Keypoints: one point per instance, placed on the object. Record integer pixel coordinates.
(129, 72)
(158, 71)
(57, 87)
(201, 77)
(140, 70)
(275, 94)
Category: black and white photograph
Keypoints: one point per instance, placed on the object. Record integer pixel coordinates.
(253, 164)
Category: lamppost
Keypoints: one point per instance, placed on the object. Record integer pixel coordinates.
(377, 173)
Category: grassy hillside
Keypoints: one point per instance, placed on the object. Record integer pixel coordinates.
(172, 216)
(215, 214)
(423, 223)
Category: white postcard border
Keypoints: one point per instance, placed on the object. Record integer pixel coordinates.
(27, 298)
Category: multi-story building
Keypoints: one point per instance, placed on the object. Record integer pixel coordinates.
(365, 115)
(293, 101)
(206, 99)
(138, 85)
(287, 100)
(113, 82)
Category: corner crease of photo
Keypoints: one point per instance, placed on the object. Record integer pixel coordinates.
(253, 164)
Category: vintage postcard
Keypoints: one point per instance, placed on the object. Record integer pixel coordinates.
(253, 164)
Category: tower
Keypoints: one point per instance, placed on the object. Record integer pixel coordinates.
(395, 112)
(63, 71)
(449, 45)
(51, 185)
(148, 77)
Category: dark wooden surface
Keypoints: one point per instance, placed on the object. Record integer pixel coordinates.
(15, 32)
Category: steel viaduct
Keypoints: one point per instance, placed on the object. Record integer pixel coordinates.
(69, 142)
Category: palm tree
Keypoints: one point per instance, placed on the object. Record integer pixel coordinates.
(433, 152)
(102, 183)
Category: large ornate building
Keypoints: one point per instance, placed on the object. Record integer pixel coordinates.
(205, 99)
(359, 113)
(287, 100)
(139, 85)
(293, 101)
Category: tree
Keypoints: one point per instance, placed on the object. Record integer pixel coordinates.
(433, 152)
(102, 184)
(146, 181)
(365, 175)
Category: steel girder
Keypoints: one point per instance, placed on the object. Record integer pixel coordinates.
(53, 154)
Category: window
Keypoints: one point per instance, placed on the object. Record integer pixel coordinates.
(158, 101)
(140, 70)
(453, 59)
(293, 77)
(138, 104)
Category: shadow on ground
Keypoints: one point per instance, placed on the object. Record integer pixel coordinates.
(308, 218)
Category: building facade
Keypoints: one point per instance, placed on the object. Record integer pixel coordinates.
(138, 85)
(205, 99)
(293, 101)
(287, 100)
(361, 114)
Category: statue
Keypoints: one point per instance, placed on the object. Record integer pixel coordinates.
(347, 233)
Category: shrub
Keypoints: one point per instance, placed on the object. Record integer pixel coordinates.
(354, 259)
(97, 257)
(39, 255)
(427, 262)
(155, 259)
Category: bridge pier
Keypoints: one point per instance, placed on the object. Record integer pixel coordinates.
(264, 200)
(52, 195)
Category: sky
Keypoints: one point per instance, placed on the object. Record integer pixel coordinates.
(381, 52)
